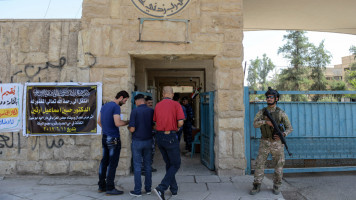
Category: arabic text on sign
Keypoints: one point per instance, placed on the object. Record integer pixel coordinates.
(59, 101)
(6, 121)
(39, 110)
(9, 112)
(60, 129)
(55, 123)
(61, 93)
(5, 93)
(12, 101)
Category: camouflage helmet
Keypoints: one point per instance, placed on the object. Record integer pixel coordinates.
(273, 92)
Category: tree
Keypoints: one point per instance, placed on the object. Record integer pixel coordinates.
(353, 51)
(258, 72)
(350, 75)
(252, 76)
(296, 50)
(336, 85)
(319, 58)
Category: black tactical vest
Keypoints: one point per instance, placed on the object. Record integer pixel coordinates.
(267, 131)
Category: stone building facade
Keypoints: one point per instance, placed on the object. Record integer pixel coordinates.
(119, 43)
(338, 71)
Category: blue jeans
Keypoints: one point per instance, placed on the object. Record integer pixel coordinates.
(111, 154)
(169, 146)
(188, 137)
(142, 150)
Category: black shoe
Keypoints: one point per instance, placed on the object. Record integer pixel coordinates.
(153, 169)
(133, 193)
(256, 188)
(174, 194)
(101, 190)
(159, 194)
(276, 190)
(114, 192)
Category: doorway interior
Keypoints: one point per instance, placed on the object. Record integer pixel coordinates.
(185, 75)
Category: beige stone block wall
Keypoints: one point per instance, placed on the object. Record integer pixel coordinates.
(111, 29)
(103, 47)
(33, 43)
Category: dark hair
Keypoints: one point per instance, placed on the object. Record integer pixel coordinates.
(176, 97)
(185, 98)
(139, 96)
(122, 94)
(148, 98)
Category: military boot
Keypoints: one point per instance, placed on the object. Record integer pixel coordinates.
(276, 190)
(256, 188)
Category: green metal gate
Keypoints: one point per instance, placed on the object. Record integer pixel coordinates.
(322, 131)
(207, 129)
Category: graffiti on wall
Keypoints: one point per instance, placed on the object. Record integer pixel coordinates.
(6, 143)
(48, 65)
(50, 145)
(62, 62)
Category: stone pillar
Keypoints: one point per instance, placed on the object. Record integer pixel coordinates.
(110, 30)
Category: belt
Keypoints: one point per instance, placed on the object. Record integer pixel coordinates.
(166, 132)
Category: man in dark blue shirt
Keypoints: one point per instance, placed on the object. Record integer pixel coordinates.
(141, 122)
(109, 120)
(180, 131)
(149, 103)
(188, 125)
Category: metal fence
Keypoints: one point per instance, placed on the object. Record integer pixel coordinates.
(322, 130)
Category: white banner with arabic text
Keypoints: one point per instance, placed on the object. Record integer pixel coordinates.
(11, 107)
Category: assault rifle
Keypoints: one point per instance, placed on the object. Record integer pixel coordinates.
(276, 130)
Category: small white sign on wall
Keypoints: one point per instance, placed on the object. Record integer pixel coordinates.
(11, 107)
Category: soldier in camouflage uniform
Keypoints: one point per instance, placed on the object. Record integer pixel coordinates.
(269, 143)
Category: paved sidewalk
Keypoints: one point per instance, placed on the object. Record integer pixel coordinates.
(195, 182)
(191, 187)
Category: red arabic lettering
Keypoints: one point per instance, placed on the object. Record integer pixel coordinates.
(12, 91)
(10, 112)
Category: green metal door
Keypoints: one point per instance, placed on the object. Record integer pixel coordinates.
(207, 129)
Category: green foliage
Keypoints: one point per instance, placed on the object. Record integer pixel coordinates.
(353, 50)
(319, 58)
(351, 74)
(258, 72)
(296, 51)
(308, 65)
(294, 79)
(337, 86)
(252, 76)
(351, 78)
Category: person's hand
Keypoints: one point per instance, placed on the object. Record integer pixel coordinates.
(276, 137)
(269, 123)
